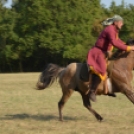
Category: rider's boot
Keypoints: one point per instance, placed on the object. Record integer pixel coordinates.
(95, 81)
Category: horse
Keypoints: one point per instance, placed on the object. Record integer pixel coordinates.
(120, 73)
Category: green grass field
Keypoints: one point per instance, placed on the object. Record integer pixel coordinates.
(24, 110)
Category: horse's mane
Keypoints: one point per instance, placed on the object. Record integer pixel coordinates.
(120, 53)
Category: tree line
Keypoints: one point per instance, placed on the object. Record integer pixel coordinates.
(34, 33)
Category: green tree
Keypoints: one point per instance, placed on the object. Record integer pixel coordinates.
(60, 31)
(62, 28)
(7, 22)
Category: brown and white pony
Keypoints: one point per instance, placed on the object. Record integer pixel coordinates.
(69, 80)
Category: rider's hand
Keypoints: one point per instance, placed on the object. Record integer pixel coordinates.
(132, 47)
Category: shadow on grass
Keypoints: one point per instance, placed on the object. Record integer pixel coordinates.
(36, 117)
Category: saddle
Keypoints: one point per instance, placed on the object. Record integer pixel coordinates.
(104, 87)
(84, 72)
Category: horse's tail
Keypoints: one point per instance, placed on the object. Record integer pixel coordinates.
(48, 76)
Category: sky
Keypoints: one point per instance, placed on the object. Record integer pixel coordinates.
(118, 2)
(9, 3)
(105, 2)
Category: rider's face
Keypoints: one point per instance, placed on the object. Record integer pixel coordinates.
(118, 24)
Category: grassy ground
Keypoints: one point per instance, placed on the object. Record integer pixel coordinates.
(24, 110)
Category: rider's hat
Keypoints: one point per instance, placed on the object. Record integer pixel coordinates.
(110, 21)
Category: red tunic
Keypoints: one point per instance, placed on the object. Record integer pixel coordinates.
(107, 39)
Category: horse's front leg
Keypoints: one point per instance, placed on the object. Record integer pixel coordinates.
(87, 104)
(128, 91)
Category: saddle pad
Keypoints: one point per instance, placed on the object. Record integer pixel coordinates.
(109, 85)
(84, 74)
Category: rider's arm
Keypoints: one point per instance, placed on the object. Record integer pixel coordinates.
(112, 34)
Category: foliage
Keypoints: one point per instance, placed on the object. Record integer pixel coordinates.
(34, 33)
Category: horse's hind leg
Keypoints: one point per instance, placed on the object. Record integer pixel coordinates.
(87, 104)
(66, 95)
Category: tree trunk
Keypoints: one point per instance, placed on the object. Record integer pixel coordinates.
(20, 66)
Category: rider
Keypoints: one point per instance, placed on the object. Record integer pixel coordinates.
(96, 56)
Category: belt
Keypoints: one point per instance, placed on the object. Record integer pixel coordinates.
(106, 53)
(100, 48)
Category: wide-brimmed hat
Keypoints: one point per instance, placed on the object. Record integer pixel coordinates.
(110, 21)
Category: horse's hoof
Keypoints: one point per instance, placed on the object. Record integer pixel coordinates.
(112, 95)
(60, 119)
(99, 118)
